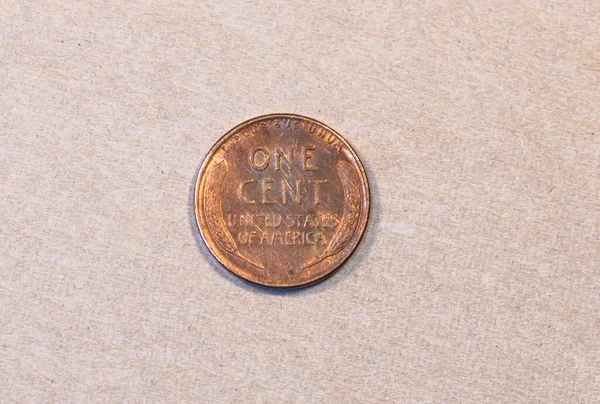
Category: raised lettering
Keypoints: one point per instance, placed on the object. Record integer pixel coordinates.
(266, 187)
(307, 156)
(317, 193)
(287, 189)
(255, 163)
(288, 158)
(242, 194)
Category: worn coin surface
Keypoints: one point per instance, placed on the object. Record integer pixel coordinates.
(282, 200)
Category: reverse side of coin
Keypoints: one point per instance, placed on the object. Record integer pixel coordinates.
(282, 200)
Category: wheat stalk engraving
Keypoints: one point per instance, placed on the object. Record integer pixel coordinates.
(352, 208)
(213, 211)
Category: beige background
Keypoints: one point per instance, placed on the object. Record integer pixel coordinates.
(478, 279)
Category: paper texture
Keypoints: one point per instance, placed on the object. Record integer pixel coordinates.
(478, 278)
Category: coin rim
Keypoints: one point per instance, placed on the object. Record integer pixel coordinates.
(365, 214)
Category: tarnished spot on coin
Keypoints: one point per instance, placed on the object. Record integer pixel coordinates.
(282, 200)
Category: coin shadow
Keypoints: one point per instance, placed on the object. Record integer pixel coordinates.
(356, 260)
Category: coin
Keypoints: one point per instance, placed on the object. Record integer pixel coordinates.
(282, 200)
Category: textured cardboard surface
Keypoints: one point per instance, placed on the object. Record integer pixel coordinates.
(478, 279)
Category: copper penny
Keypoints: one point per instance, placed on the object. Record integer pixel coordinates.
(282, 200)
